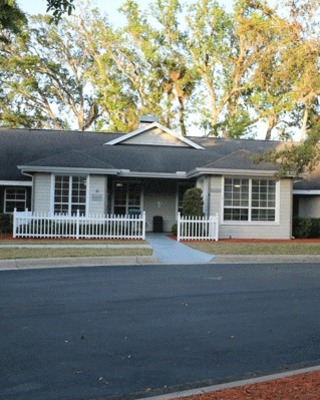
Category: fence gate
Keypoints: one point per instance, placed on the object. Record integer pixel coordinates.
(198, 228)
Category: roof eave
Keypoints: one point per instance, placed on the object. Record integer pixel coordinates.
(231, 171)
(68, 170)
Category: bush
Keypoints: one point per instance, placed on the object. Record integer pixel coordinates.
(6, 223)
(193, 203)
(306, 228)
(174, 229)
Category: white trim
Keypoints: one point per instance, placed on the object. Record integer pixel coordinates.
(249, 222)
(307, 192)
(68, 171)
(16, 183)
(5, 200)
(149, 127)
(231, 172)
(88, 193)
(52, 188)
(137, 174)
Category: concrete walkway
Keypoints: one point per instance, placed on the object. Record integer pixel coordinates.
(169, 251)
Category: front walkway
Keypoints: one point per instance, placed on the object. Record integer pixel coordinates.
(169, 251)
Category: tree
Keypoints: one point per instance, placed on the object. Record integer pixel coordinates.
(44, 78)
(59, 8)
(11, 18)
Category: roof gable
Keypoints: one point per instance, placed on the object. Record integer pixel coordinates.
(155, 134)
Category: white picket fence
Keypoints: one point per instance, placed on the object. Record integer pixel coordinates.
(45, 225)
(198, 228)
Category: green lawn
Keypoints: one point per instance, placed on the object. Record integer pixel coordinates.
(225, 247)
(16, 252)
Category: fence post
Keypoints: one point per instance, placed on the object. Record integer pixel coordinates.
(78, 224)
(217, 228)
(143, 225)
(14, 223)
(178, 227)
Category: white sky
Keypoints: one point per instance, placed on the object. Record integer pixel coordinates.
(108, 6)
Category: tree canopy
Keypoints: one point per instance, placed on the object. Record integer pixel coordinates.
(196, 67)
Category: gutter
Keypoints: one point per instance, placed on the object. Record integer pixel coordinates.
(65, 170)
(222, 171)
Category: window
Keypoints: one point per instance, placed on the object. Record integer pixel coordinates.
(70, 194)
(127, 198)
(249, 199)
(263, 200)
(15, 198)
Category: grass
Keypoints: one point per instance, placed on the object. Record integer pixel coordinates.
(225, 247)
(14, 253)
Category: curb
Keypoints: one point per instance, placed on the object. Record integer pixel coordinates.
(265, 259)
(46, 263)
(230, 385)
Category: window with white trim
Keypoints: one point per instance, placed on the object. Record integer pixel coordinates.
(127, 198)
(70, 193)
(15, 198)
(249, 200)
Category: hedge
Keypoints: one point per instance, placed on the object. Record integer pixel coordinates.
(306, 228)
(6, 223)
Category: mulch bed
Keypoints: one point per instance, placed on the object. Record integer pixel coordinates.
(299, 387)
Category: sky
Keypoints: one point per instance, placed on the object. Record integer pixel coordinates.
(108, 6)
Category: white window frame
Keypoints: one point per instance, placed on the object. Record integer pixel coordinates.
(127, 206)
(70, 202)
(250, 208)
(6, 200)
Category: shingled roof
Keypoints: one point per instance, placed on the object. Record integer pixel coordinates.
(44, 150)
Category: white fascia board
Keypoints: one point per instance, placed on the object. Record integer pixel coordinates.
(65, 170)
(219, 171)
(149, 127)
(159, 175)
(307, 192)
(16, 183)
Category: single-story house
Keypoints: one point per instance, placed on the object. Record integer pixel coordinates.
(149, 170)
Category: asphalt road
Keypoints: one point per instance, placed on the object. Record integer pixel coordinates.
(89, 333)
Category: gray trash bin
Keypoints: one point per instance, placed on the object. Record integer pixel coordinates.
(157, 224)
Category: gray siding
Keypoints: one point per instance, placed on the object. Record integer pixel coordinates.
(160, 200)
(42, 192)
(97, 203)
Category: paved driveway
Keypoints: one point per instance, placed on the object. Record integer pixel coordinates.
(90, 333)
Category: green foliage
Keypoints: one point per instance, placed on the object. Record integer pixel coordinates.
(295, 158)
(306, 228)
(174, 229)
(11, 18)
(59, 8)
(230, 69)
(193, 203)
(6, 223)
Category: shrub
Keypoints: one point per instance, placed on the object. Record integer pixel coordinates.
(306, 228)
(193, 203)
(174, 229)
(6, 223)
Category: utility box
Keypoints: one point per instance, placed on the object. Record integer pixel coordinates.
(157, 224)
